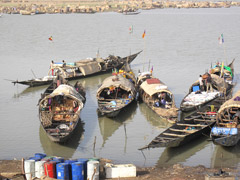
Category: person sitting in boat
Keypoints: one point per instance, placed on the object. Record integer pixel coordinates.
(162, 98)
(163, 102)
(156, 103)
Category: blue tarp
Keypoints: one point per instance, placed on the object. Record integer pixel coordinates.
(224, 131)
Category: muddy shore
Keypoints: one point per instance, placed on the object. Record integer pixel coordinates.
(12, 169)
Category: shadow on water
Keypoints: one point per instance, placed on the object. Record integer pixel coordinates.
(109, 125)
(152, 117)
(66, 149)
(29, 90)
(226, 157)
(180, 154)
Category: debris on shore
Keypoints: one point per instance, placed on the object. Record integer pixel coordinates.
(12, 169)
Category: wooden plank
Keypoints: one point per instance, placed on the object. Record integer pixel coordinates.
(191, 118)
(228, 120)
(162, 138)
(213, 120)
(193, 125)
(184, 130)
(177, 135)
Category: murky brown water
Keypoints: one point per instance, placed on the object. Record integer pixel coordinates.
(180, 43)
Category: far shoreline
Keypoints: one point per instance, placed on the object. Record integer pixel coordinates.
(31, 7)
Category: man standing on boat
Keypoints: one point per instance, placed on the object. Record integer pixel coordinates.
(201, 83)
(51, 66)
(209, 83)
(64, 63)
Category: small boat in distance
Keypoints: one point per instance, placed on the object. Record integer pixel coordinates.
(80, 69)
(116, 93)
(131, 11)
(156, 95)
(226, 132)
(60, 107)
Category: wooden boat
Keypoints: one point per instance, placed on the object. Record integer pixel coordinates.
(116, 93)
(130, 11)
(222, 82)
(134, 12)
(25, 12)
(60, 107)
(191, 127)
(157, 96)
(226, 132)
(196, 98)
(81, 69)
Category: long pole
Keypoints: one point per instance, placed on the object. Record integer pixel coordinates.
(144, 53)
(225, 53)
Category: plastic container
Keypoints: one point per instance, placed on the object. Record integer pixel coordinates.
(77, 171)
(58, 159)
(93, 170)
(35, 158)
(120, 171)
(94, 159)
(70, 161)
(84, 161)
(50, 169)
(29, 168)
(40, 155)
(62, 171)
(39, 169)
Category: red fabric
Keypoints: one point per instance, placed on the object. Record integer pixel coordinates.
(153, 81)
(211, 113)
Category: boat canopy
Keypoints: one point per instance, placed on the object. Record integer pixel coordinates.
(116, 81)
(143, 76)
(153, 86)
(233, 102)
(219, 81)
(88, 66)
(65, 90)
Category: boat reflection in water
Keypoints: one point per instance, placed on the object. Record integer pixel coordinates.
(153, 118)
(228, 157)
(109, 126)
(171, 156)
(65, 149)
(29, 91)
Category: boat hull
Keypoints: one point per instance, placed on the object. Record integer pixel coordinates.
(34, 83)
(228, 140)
(61, 138)
(59, 109)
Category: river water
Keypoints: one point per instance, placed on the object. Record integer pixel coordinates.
(179, 43)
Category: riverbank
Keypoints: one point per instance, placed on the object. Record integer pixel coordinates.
(12, 169)
(30, 7)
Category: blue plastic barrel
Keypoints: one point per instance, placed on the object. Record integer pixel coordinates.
(58, 159)
(70, 161)
(77, 171)
(34, 158)
(84, 161)
(62, 170)
(40, 155)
